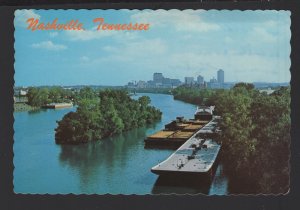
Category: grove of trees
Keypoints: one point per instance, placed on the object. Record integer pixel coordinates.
(41, 96)
(104, 113)
(256, 133)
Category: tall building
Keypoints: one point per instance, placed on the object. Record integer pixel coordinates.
(158, 78)
(200, 80)
(189, 80)
(213, 83)
(221, 76)
(141, 84)
(175, 82)
(166, 81)
(213, 80)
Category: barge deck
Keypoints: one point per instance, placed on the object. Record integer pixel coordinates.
(196, 156)
(175, 133)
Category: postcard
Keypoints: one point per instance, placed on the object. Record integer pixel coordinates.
(152, 102)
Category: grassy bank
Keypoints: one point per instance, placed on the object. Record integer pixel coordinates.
(22, 107)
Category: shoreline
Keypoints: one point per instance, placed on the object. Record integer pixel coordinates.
(23, 107)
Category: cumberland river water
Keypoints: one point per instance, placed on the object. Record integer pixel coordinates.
(116, 165)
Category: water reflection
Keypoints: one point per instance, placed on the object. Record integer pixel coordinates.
(108, 154)
(219, 182)
(36, 111)
(181, 185)
(215, 184)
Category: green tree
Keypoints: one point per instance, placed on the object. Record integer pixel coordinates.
(256, 133)
(104, 114)
(248, 86)
(38, 96)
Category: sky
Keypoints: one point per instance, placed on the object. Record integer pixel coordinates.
(250, 46)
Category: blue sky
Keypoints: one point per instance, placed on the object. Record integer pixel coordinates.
(248, 45)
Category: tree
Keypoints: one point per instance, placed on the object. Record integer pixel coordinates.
(144, 101)
(255, 135)
(248, 86)
(271, 115)
(42, 96)
(104, 114)
(37, 96)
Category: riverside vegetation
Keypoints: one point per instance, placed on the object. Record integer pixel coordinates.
(104, 113)
(256, 134)
(38, 97)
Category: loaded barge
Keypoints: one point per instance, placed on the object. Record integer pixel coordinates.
(57, 105)
(180, 130)
(198, 154)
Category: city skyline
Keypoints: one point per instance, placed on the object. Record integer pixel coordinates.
(160, 81)
(178, 44)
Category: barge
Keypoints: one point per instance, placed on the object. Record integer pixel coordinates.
(198, 154)
(180, 130)
(57, 105)
(175, 133)
(195, 157)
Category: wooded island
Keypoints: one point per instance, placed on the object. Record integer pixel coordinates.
(104, 113)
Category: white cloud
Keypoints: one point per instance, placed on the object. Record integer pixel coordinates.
(238, 67)
(49, 45)
(84, 59)
(174, 64)
(53, 34)
(228, 40)
(21, 17)
(110, 49)
(135, 50)
(93, 34)
(261, 34)
(187, 20)
(270, 23)
(85, 35)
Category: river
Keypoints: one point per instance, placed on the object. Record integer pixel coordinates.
(115, 165)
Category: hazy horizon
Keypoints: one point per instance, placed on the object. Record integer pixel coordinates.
(101, 85)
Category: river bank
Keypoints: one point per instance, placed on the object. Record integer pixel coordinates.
(23, 107)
